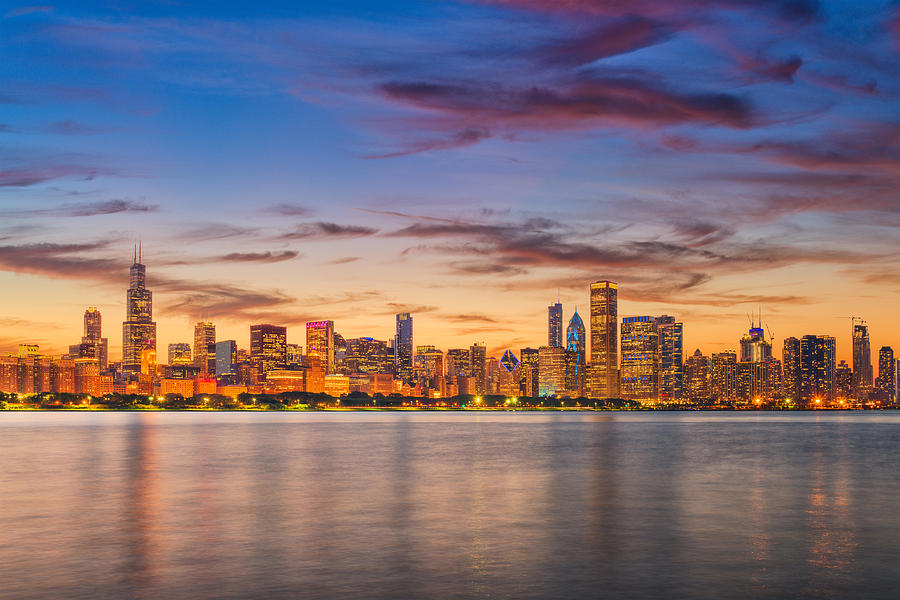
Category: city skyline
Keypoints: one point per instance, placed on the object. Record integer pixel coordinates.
(139, 298)
(289, 164)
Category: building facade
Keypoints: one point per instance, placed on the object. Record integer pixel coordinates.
(138, 330)
(604, 380)
(640, 359)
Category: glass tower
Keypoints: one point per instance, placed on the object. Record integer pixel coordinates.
(138, 330)
(604, 381)
(554, 325)
(403, 345)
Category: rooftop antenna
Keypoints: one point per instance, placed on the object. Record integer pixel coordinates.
(134, 259)
(139, 252)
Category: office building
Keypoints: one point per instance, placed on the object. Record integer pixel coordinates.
(576, 347)
(817, 369)
(268, 347)
(368, 355)
(554, 325)
(138, 330)
(790, 356)
(886, 374)
(604, 381)
(862, 361)
(640, 359)
(723, 376)
(671, 358)
(226, 358)
(403, 347)
(551, 370)
(478, 367)
(205, 347)
(528, 366)
(320, 343)
(696, 377)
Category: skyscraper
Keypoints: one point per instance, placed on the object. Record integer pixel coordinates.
(554, 325)
(528, 366)
(205, 347)
(792, 373)
(862, 361)
(696, 376)
(604, 381)
(723, 375)
(478, 366)
(403, 345)
(551, 370)
(575, 355)
(268, 347)
(320, 343)
(640, 358)
(886, 373)
(93, 344)
(754, 347)
(817, 369)
(138, 330)
(92, 325)
(671, 357)
(226, 357)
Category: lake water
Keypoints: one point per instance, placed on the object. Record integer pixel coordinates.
(449, 505)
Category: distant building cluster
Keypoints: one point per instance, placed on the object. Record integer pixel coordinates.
(636, 358)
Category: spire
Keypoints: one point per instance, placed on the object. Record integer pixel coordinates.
(139, 251)
(134, 260)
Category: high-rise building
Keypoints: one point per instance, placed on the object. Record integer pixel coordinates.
(554, 325)
(862, 361)
(226, 358)
(429, 364)
(180, 354)
(368, 355)
(457, 363)
(403, 347)
(93, 344)
(696, 376)
(671, 358)
(790, 356)
(205, 347)
(92, 325)
(640, 359)
(576, 346)
(886, 373)
(138, 330)
(754, 347)
(320, 343)
(843, 380)
(509, 377)
(723, 376)
(268, 347)
(528, 365)
(478, 366)
(817, 369)
(551, 370)
(604, 380)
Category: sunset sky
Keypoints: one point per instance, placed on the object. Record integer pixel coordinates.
(465, 161)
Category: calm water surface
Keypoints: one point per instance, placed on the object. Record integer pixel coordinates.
(449, 505)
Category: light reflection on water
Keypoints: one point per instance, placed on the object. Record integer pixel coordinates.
(449, 505)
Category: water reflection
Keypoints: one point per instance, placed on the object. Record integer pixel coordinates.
(400, 505)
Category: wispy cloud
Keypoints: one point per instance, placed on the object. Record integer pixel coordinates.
(85, 209)
(325, 230)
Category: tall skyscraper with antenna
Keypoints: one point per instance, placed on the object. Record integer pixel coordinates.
(138, 330)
